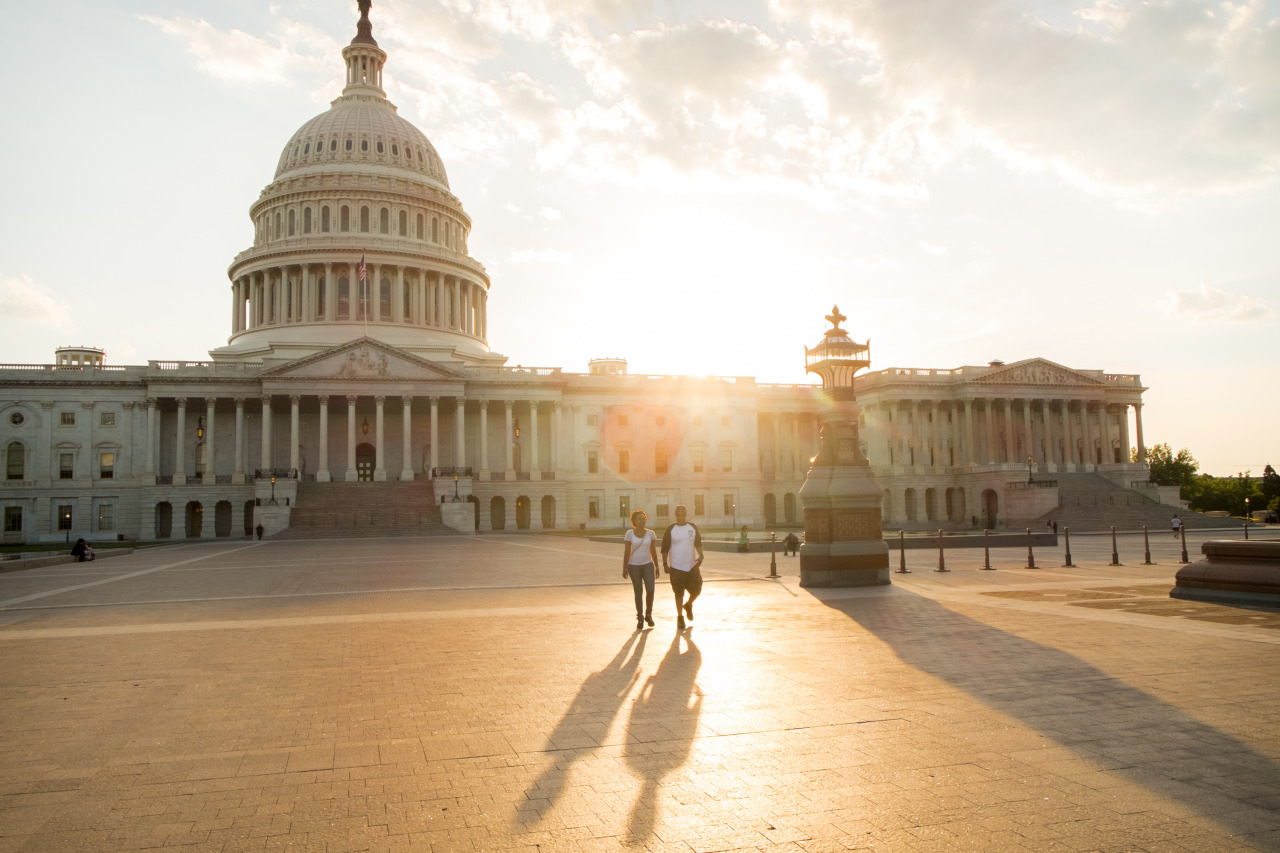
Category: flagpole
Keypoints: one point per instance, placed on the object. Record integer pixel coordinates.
(364, 296)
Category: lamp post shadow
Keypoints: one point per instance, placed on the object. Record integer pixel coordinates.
(584, 724)
(661, 730)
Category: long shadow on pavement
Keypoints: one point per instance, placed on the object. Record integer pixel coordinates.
(1094, 714)
(584, 725)
(660, 733)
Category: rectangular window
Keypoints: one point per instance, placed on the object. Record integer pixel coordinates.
(64, 516)
(728, 505)
(593, 462)
(66, 466)
(13, 519)
(699, 505)
(726, 458)
(593, 507)
(624, 506)
(67, 418)
(106, 466)
(593, 420)
(107, 419)
(663, 504)
(624, 461)
(106, 516)
(697, 461)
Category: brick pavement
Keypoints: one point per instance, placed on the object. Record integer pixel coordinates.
(492, 694)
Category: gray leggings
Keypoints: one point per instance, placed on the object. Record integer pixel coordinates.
(639, 574)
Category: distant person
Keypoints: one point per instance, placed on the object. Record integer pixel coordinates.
(744, 543)
(1177, 525)
(682, 558)
(80, 551)
(259, 530)
(639, 562)
(790, 545)
(1055, 527)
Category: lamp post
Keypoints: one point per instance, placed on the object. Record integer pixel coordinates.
(455, 488)
(1031, 466)
(272, 502)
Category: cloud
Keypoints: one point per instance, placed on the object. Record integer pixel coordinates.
(234, 55)
(24, 300)
(1213, 305)
(551, 214)
(932, 249)
(542, 256)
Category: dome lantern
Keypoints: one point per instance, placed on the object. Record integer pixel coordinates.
(364, 58)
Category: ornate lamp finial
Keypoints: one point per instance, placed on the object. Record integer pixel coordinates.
(835, 318)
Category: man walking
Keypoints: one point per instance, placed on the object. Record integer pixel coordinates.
(1177, 525)
(682, 559)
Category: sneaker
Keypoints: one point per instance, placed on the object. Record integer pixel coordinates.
(680, 625)
(648, 620)
(639, 623)
(688, 610)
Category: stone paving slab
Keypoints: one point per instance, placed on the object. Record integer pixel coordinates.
(491, 693)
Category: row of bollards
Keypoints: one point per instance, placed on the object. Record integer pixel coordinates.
(1031, 556)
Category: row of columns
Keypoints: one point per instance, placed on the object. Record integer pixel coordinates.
(790, 423)
(299, 293)
(984, 431)
(323, 472)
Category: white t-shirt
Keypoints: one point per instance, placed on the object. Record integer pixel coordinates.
(639, 547)
(1177, 522)
(683, 551)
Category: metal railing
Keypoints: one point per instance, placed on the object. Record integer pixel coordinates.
(1034, 484)
(278, 473)
(451, 472)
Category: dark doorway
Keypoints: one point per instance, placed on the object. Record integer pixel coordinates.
(366, 455)
(195, 519)
(548, 512)
(164, 520)
(222, 519)
(991, 508)
(248, 519)
(475, 505)
(770, 510)
(522, 513)
(789, 508)
(498, 513)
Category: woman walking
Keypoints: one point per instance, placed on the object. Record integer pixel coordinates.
(640, 563)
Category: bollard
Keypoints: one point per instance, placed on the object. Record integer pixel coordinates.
(773, 555)
(986, 549)
(902, 554)
(1115, 555)
(942, 560)
(1146, 544)
(1068, 564)
(1031, 557)
(1246, 530)
(1182, 529)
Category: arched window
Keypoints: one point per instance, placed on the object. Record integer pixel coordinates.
(324, 219)
(306, 220)
(364, 145)
(379, 146)
(364, 219)
(384, 300)
(291, 218)
(384, 221)
(419, 226)
(15, 461)
(348, 144)
(344, 298)
(435, 230)
(344, 219)
(404, 224)
(660, 457)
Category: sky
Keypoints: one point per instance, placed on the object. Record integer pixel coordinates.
(693, 185)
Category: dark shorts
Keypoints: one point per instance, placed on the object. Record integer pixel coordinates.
(690, 581)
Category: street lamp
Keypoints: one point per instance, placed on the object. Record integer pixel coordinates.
(455, 488)
(272, 502)
(1246, 509)
(1031, 465)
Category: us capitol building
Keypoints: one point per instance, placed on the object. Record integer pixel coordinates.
(357, 394)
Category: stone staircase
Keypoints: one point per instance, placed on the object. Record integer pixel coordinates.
(1092, 502)
(348, 510)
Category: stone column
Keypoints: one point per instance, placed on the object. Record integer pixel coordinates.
(506, 441)
(795, 447)
(557, 436)
(235, 306)
(1124, 432)
(397, 297)
(460, 431)
(435, 435)
(1068, 437)
(1137, 425)
(322, 456)
(970, 458)
(128, 461)
(379, 450)
(406, 442)
(1108, 441)
(1029, 430)
(294, 461)
(457, 303)
(535, 471)
(266, 432)
(330, 293)
(351, 475)
(1008, 430)
(210, 469)
(180, 445)
(1048, 456)
(237, 475)
(153, 435)
(1090, 458)
(484, 439)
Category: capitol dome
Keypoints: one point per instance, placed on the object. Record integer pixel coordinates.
(358, 234)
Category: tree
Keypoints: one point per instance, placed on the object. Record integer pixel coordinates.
(1172, 469)
(1270, 485)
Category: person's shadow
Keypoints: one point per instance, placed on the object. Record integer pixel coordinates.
(1087, 710)
(660, 733)
(584, 726)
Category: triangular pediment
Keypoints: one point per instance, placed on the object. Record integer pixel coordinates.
(1038, 371)
(364, 360)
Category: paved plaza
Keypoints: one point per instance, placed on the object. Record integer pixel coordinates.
(491, 693)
